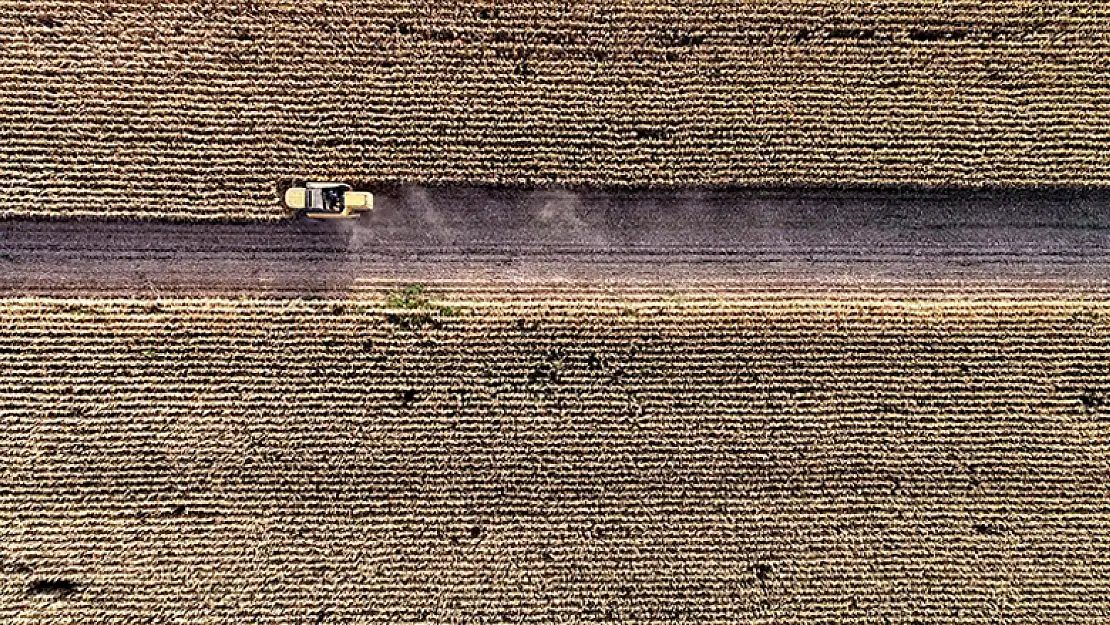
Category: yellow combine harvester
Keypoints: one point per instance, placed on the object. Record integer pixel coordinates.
(328, 200)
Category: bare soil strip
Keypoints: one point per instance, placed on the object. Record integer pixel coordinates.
(487, 245)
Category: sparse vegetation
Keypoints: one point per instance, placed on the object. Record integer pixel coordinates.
(418, 309)
(410, 297)
(415, 297)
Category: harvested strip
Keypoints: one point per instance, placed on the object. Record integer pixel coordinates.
(199, 110)
(289, 462)
(507, 246)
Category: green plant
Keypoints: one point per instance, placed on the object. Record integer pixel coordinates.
(424, 312)
(415, 297)
(410, 297)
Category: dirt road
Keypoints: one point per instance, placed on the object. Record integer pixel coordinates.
(488, 244)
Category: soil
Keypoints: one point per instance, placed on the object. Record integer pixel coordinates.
(480, 244)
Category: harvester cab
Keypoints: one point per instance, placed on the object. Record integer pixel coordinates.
(328, 200)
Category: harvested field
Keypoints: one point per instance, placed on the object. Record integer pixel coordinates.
(502, 406)
(198, 110)
(741, 461)
(793, 312)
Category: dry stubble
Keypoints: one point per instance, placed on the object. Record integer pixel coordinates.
(201, 110)
(281, 462)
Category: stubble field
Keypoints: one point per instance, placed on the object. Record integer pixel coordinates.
(203, 110)
(416, 461)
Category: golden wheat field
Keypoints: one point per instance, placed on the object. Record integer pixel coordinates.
(194, 109)
(412, 461)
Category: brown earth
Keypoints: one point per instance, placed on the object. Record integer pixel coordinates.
(201, 110)
(485, 246)
(276, 461)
